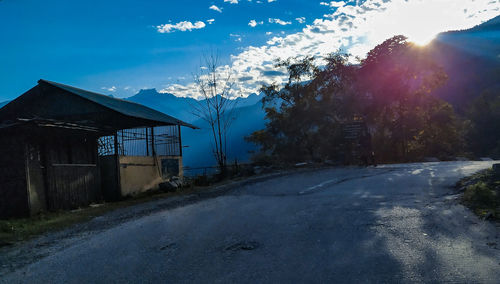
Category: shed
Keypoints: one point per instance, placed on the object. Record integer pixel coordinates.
(62, 147)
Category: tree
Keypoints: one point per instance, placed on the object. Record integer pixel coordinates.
(390, 90)
(400, 76)
(216, 107)
(483, 135)
(305, 113)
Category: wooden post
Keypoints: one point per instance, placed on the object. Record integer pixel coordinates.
(153, 149)
(115, 136)
(117, 158)
(180, 140)
(147, 142)
(123, 144)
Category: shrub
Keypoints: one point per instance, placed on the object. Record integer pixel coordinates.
(480, 195)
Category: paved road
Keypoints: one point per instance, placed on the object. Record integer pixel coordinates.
(397, 223)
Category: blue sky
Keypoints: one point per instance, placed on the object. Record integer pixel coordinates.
(119, 47)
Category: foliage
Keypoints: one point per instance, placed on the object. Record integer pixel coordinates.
(389, 90)
(483, 135)
(304, 115)
(482, 193)
(409, 123)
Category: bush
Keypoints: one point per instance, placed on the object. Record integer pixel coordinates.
(480, 195)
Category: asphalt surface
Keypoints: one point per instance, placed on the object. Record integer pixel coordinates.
(395, 223)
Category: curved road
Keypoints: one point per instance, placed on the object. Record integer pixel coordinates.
(394, 223)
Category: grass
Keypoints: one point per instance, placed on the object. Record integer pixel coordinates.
(482, 193)
(21, 229)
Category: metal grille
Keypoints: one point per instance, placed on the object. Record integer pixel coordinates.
(106, 145)
(167, 142)
(161, 141)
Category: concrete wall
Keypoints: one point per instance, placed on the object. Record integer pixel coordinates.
(139, 174)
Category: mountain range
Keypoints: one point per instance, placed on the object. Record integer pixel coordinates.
(471, 58)
(248, 117)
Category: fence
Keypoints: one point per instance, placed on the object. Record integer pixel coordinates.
(151, 141)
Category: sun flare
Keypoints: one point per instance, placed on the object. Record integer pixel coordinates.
(420, 21)
(422, 39)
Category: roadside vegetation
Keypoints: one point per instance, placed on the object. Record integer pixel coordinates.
(481, 193)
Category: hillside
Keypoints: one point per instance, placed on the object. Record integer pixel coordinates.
(471, 58)
(168, 103)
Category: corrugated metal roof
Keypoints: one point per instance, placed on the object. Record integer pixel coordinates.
(122, 106)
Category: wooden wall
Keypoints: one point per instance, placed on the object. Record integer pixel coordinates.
(13, 193)
(72, 186)
(73, 177)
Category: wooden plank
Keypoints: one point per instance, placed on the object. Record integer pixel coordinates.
(74, 165)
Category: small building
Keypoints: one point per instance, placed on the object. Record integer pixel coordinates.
(62, 148)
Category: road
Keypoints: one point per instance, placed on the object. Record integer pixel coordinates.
(393, 223)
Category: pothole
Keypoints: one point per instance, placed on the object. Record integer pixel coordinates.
(168, 246)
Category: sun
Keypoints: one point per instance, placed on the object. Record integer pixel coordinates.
(422, 38)
(420, 21)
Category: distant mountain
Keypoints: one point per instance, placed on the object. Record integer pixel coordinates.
(199, 153)
(177, 107)
(471, 58)
(249, 117)
(251, 100)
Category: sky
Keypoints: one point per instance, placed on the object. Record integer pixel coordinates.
(119, 47)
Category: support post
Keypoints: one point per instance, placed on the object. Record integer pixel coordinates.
(117, 162)
(180, 140)
(147, 142)
(153, 148)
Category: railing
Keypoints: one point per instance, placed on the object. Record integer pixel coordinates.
(161, 141)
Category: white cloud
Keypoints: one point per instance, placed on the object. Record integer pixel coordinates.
(301, 20)
(355, 29)
(279, 22)
(333, 4)
(109, 89)
(254, 23)
(215, 8)
(236, 37)
(210, 21)
(231, 1)
(269, 1)
(181, 26)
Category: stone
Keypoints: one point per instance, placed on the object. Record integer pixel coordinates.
(168, 186)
